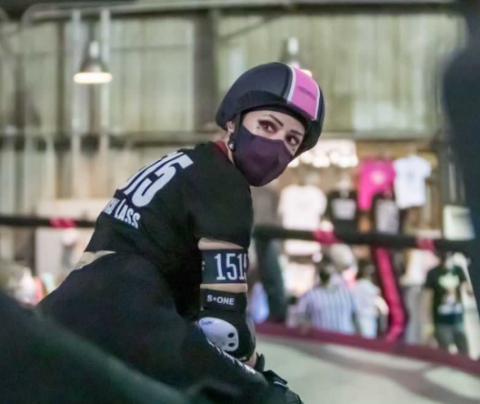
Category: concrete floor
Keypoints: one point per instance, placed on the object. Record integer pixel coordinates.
(329, 374)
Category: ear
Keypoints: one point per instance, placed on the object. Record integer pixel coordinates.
(230, 127)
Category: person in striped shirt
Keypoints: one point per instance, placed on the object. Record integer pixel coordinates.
(329, 306)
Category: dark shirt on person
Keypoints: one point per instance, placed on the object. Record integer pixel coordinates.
(446, 285)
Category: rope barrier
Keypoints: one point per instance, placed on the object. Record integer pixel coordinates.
(393, 241)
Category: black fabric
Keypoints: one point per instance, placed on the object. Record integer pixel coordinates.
(447, 297)
(462, 103)
(42, 363)
(208, 198)
(278, 392)
(122, 304)
(342, 210)
(138, 303)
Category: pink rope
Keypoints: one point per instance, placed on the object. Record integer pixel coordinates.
(426, 244)
(325, 237)
(391, 293)
(62, 223)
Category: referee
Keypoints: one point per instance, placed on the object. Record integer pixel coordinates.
(329, 306)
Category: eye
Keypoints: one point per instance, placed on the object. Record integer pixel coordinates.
(268, 126)
(293, 140)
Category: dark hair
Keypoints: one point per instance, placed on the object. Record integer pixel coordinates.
(443, 256)
(365, 269)
(325, 269)
(292, 300)
(324, 263)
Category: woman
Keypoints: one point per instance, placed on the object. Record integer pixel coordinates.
(368, 300)
(171, 246)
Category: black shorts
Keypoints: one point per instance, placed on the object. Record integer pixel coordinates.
(121, 303)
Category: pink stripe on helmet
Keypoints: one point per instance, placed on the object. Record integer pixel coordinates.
(304, 93)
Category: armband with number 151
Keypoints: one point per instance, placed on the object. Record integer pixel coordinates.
(224, 266)
(223, 318)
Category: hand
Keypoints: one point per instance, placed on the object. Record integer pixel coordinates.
(278, 391)
(252, 361)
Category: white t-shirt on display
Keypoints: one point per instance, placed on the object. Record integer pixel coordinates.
(387, 218)
(301, 208)
(410, 187)
(418, 265)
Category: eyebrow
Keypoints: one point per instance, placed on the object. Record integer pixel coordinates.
(276, 120)
(295, 132)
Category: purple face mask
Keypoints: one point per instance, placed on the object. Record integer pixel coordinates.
(259, 159)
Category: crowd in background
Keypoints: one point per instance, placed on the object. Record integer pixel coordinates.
(409, 296)
(346, 297)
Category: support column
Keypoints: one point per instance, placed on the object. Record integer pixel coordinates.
(206, 77)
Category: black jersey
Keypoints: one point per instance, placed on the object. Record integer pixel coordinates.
(167, 207)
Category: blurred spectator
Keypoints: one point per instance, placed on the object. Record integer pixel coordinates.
(443, 291)
(293, 316)
(70, 238)
(328, 306)
(368, 301)
(258, 303)
(265, 205)
(18, 282)
(344, 262)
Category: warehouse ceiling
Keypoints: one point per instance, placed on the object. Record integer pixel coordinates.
(15, 8)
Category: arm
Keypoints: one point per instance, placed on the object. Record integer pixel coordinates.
(466, 284)
(381, 306)
(467, 288)
(426, 306)
(234, 287)
(223, 318)
(226, 281)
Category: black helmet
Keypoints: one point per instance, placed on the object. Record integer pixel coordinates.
(277, 84)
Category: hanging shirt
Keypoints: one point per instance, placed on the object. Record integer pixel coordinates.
(375, 176)
(342, 210)
(386, 216)
(301, 208)
(410, 187)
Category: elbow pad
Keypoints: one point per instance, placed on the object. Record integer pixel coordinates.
(226, 324)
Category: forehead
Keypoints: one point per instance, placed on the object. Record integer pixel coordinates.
(287, 120)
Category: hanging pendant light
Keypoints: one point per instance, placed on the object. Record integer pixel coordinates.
(93, 69)
(291, 57)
